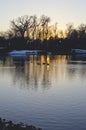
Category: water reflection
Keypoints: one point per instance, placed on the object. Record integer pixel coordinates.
(56, 91)
(42, 70)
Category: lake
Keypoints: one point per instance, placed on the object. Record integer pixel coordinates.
(44, 90)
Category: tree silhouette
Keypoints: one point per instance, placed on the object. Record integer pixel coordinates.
(82, 31)
(31, 32)
(69, 30)
(44, 21)
(20, 25)
(34, 26)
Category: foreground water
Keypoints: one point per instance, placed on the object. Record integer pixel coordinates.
(45, 91)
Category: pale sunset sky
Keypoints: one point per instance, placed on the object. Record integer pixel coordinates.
(60, 11)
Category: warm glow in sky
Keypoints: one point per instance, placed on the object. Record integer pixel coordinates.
(60, 11)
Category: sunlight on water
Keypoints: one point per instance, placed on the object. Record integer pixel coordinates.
(45, 91)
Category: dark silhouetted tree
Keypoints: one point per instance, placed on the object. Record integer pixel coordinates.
(20, 25)
(69, 30)
(82, 31)
(34, 26)
(44, 21)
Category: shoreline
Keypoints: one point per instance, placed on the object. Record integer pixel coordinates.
(9, 125)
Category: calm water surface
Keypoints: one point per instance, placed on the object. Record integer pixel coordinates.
(45, 91)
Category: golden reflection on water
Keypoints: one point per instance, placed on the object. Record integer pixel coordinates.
(36, 66)
(40, 65)
(39, 70)
(35, 63)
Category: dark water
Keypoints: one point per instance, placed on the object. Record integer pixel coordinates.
(45, 91)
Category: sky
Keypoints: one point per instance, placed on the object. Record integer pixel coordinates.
(60, 11)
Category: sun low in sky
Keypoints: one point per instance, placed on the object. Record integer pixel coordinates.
(60, 11)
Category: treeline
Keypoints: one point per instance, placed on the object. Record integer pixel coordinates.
(30, 32)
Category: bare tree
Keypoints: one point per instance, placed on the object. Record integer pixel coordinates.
(44, 21)
(69, 30)
(82, 31)
(55, 33)
(20, 25)
(34, 26)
